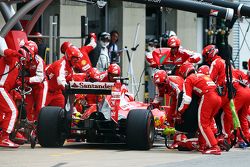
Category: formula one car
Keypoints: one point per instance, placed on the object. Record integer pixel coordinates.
(117, 117)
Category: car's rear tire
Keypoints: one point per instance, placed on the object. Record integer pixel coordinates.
(50, 125)
(140, 129)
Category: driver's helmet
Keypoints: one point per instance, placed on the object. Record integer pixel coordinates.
(114, 70)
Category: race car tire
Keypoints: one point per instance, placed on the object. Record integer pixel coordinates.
(140, 129)
(49, 128)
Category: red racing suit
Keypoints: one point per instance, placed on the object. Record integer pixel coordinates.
(172, 87)
(242, 101)
(36, 79)
(209, 105)
(9, 70)
(241, 76)
(85, 61)
(218, 75)
(58, 74)
(163, 56)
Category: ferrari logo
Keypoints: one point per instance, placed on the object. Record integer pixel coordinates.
(214, 12)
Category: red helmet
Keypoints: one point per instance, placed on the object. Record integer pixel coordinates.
(209, 52)
(73, 51)
(180, 137)
(38, 34)
(174, 42)
(31, 48)
(204, 69)
(160, 77)
(65, 46)
(26, 55)
(185, 69)
(114, 69)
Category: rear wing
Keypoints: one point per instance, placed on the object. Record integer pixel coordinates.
(101, 88)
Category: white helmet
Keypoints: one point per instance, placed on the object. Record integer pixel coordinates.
(171, 33)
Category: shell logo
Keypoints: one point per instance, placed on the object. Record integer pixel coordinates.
(83, 62)
(207, 78)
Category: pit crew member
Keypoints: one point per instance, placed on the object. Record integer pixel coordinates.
(36, 79)
(171, 85)
(209, 105)
(9, 70)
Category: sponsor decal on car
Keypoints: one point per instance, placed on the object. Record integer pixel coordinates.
(91, 85)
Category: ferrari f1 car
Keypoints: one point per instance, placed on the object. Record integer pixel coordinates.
(117, 117)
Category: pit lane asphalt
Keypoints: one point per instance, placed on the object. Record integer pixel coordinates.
(113, 155)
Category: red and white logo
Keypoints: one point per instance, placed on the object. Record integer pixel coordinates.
(214, 12)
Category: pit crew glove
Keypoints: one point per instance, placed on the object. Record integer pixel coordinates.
(92, 35)
(12, 53)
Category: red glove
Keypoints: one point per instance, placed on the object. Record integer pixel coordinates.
(92, 35)
(194, 59)
(12, 53)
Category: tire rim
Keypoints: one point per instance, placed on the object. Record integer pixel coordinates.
(151, 131)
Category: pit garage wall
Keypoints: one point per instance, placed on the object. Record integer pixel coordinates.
(70, 21)
(187, 29)
(134, 14)
(124, 17)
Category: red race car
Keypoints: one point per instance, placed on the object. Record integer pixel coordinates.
(116, 117)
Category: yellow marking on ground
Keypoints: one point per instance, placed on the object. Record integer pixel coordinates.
(67, 153)
(55, 155)
(73, 152)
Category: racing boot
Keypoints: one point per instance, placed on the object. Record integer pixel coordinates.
(201, 147)
(215, 150)
(6, 142)
(223, 143)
